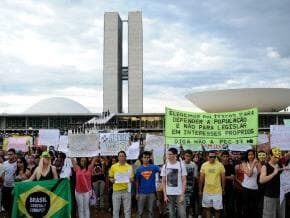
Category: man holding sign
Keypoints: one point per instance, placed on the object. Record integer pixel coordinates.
(121, 175)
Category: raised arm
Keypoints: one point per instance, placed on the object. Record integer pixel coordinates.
(92, 164)
(74, 163)
(54, 172)
(249, 171)
(264, 178)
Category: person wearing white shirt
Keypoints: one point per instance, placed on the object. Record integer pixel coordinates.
(174, 183)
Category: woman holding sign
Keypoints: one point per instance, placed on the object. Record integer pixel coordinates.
(84, 170)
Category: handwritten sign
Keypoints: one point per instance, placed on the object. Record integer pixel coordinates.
(239, 147)
(133, 151)
(153, 141)
(112, 143)
(158, 155)
(49, 137)
(83, 145)
(213, 147)
(240, 127)
(192, 147)
(19, 143)
(280, 136)
(284, 183)
(63, 144)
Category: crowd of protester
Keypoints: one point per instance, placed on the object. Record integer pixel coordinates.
(189, 184)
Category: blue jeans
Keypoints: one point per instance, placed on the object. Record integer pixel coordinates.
(173, 202)
(119, 197)
(142, 201)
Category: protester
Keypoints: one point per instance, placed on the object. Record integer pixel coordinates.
(22, 172)
(8, 177)
(250, 185)
(198, 160)
(238, 189)
(270, 177)
(99, 182)
(174, 183)
(45, 169)
(84, 170)
(112, 161)
(121, 175)
(191, 169)
(145, 185)
(212, 185)
(228, 197)
(262, 160)
(30, 163)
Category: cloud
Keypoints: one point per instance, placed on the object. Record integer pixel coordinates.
(55, 49)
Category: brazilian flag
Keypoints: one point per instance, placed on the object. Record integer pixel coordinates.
(49, 198)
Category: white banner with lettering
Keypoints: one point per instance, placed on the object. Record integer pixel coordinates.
(49, 137)
(112, 143)
(280, 136)
(83, 145)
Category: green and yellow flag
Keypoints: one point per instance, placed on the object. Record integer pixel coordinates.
(49, 198)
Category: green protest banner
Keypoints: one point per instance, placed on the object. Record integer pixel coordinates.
(49, 198)
(188, 128)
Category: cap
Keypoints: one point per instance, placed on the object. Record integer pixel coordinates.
(45, 154)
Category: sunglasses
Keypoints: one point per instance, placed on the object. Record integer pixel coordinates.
(19, 162)
(212, 156)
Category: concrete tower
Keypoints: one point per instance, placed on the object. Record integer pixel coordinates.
(112, 63)
(113, 70)
(135, 62)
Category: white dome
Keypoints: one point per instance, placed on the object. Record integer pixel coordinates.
(265, 99)
(57, 106)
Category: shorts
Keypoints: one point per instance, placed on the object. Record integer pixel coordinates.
(212, 200)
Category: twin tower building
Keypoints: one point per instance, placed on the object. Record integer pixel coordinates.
(114, 73)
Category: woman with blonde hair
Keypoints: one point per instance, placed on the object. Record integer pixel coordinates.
(45, 170)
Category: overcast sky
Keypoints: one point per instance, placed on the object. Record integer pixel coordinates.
(54, 48)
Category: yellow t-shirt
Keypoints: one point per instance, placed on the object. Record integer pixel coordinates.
(212, 176)
(117, 168)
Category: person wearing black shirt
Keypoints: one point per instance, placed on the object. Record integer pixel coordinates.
(229, 190)
(270, 177)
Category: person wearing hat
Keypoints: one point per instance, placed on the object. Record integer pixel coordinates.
(270, 177)
(45, 170)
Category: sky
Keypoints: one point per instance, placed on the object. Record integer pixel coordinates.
(54, 48)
